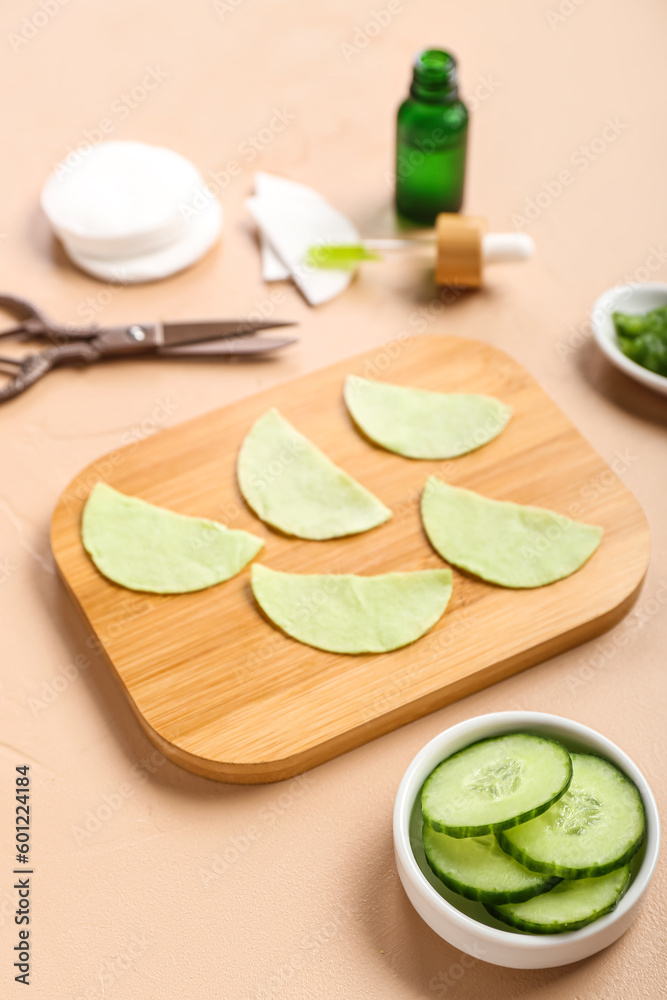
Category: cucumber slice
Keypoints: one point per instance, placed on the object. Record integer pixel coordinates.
(498, 782)
(567, 907)
(477, 868)
(595, 828)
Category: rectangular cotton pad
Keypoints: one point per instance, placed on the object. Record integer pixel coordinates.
(223, 693)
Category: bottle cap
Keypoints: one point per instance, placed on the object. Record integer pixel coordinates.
(463, 247)
(459, 254)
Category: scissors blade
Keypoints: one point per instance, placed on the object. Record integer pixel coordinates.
(199, 331)
(231, 347)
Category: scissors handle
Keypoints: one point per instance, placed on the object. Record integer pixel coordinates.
(34, 324)
(35, 366)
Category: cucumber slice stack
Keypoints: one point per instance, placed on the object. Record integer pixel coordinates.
(542, 837)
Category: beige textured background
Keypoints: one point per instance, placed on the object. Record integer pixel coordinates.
(180, 888)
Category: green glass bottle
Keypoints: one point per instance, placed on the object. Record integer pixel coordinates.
(431, 138)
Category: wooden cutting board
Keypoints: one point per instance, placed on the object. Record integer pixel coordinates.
(224, 694)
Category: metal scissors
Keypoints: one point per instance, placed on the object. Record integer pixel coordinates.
(207, 338)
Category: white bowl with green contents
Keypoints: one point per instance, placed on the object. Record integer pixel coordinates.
(465, 923)
(637, 299)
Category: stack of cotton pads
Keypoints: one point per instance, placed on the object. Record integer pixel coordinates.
(291, 219)
(131, 212)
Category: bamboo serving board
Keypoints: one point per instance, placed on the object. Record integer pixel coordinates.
(221, 692)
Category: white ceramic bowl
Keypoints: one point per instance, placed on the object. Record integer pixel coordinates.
(465, 924)
(634, 299)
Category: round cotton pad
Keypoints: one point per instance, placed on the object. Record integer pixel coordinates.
(202, 232)
(131, 212)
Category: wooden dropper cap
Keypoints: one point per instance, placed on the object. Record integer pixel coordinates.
(459, 254)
